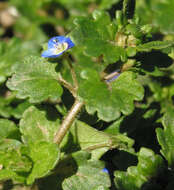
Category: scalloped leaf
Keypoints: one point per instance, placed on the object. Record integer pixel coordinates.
(149, 166)
(109, 101)
(88, 176)
(12, 52)
(35, 79)
(97, 36)
(35, 125)
(166, 137)
(45, 156)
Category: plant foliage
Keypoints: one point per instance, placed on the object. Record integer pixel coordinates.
(99, 114)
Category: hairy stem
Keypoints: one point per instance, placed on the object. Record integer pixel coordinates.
(67, 85)
(73, 74)
(67, 122)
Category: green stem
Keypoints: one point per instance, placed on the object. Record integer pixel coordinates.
(73, 74)
(67, 122)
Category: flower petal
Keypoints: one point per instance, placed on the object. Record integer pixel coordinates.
(57, 45)
(51, 53)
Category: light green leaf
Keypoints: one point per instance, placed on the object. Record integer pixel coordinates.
(12, 52)
(35, 125)
(166, 137)
(88, 176)
(44, 156)
(109, 101)
(9, 174)
(96, 142)
(158, 13)
(9, 144)
(8, 129)
(12, 159)
(13, 164)
(35, 79)
(149, 166)
(154, 45)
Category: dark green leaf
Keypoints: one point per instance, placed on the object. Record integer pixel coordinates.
(109, 102)
(97, 36)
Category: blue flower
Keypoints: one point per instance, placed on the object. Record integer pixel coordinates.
(57, 45)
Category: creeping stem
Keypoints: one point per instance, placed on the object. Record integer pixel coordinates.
(75, 109)
(67, 122)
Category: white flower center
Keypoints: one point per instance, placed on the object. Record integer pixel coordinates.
(60, 47)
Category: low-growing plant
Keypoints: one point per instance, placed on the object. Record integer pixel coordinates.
(94, 109)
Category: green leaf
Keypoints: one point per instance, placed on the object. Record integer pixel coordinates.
(13, 164)
(12, 159)
(97, 36)
(8, 129)
(5, 101)
(35, 79)
(114, 128)
(19, 109)
(9, 144)
(45, 156)
(163, 11)
(88, 176)
(154, 45)
(109, 102)
(12, 52)
(69, 162)
(149, 166)
(158, 13)
(166, 137)
(9, 174)
(97, 142)
(11, 106)
(35, 125)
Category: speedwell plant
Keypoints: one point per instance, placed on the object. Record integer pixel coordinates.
(92, 109)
